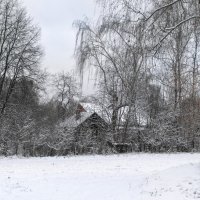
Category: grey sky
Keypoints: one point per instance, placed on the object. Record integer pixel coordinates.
(55, 17)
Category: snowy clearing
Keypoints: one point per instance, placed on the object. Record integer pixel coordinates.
(116, 177)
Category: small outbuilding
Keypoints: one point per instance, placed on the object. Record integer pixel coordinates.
(89, 128)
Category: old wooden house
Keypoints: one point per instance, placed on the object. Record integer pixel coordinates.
(90, 130)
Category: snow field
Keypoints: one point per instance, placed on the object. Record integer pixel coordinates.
(113, 177)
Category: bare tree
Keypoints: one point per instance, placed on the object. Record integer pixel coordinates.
(117, 47)
(66, 88)
(20, 52)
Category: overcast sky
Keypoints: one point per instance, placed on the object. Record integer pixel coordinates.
(55, 17)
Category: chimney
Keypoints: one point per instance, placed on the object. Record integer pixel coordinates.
(79, 110)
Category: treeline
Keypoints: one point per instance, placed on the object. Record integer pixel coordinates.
(29, 126)
(146, 55)
(27, 121)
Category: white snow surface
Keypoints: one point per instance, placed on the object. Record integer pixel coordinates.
(112, 177)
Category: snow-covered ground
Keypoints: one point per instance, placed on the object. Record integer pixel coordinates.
(116, 177)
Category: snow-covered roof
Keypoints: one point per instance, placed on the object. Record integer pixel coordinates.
(90, 109)
(74, 122)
